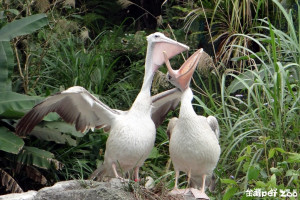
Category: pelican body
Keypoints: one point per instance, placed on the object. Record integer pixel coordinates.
(131, 138)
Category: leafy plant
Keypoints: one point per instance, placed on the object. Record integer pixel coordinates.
(68, 61)
(12, 103)
(9, 31)
(258, 113)
(256, 100)
(216, 25)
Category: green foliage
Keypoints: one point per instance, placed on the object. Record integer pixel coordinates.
(220, 23)
(256, 100)
(9, 142)
(58, 132)
(258, 112)
(13, 105)
(62, 61)
(6, 62)
(23, 26)
(9, 31)
(37, 157)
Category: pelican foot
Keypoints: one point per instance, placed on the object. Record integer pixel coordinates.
(177, 191)
(198, 194)
(122, 180)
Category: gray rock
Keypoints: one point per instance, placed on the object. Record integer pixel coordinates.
(85, 190)
(19, 196)
(187, 196)
(77, 190)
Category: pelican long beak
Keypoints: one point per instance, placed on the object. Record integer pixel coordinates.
(171, 47)
(181, 78)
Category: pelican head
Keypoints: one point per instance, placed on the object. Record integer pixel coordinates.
(158, 43)
(181, 78)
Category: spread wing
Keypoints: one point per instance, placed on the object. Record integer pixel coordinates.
(213, 123)
(74, 105)
(162, 103)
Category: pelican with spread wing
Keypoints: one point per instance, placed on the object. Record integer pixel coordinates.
(132, 132)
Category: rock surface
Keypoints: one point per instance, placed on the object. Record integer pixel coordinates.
(84, 190)
(76, 189)
(19, 196)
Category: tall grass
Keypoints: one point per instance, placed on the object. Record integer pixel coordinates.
(259, 113)
(220, 21)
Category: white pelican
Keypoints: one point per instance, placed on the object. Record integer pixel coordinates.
(194, 146)
(132, 132)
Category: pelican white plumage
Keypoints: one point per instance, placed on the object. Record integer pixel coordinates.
(132, 132)
(194, 146)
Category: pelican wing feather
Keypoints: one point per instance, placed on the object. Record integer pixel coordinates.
(171, 126)
(213, 123)
(74, 105)
(162, 103)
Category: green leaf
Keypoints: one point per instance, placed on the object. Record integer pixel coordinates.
(230, 191)
(23, 26)
(2, 15)
(9, 142)
(248, 149)
(275, 170)
(273, 150)
(64, 127)
(182, 9)
(13, 29)
(292, 172)
(6, 65)
(236, 84)
(14, 11)
(37, 157)
(154, 153)
(246, 166)
(272, 181)
(53, 116)
(293, 158)
(228, 181)
(244, 80)
(13, 104)
(271, 153)
(241, 158)
(235, 59)
(280, 150)
(57, 136)
(253, 173)
(260, 184)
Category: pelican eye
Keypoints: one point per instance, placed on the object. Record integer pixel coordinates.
(156, 36)
(169, 77)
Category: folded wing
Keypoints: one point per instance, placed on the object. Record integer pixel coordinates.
(171, 126)
(213, 123)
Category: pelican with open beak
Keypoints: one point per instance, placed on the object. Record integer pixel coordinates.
(194, 146)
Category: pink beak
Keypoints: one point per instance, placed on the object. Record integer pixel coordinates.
(171, 47)
(181, 78)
